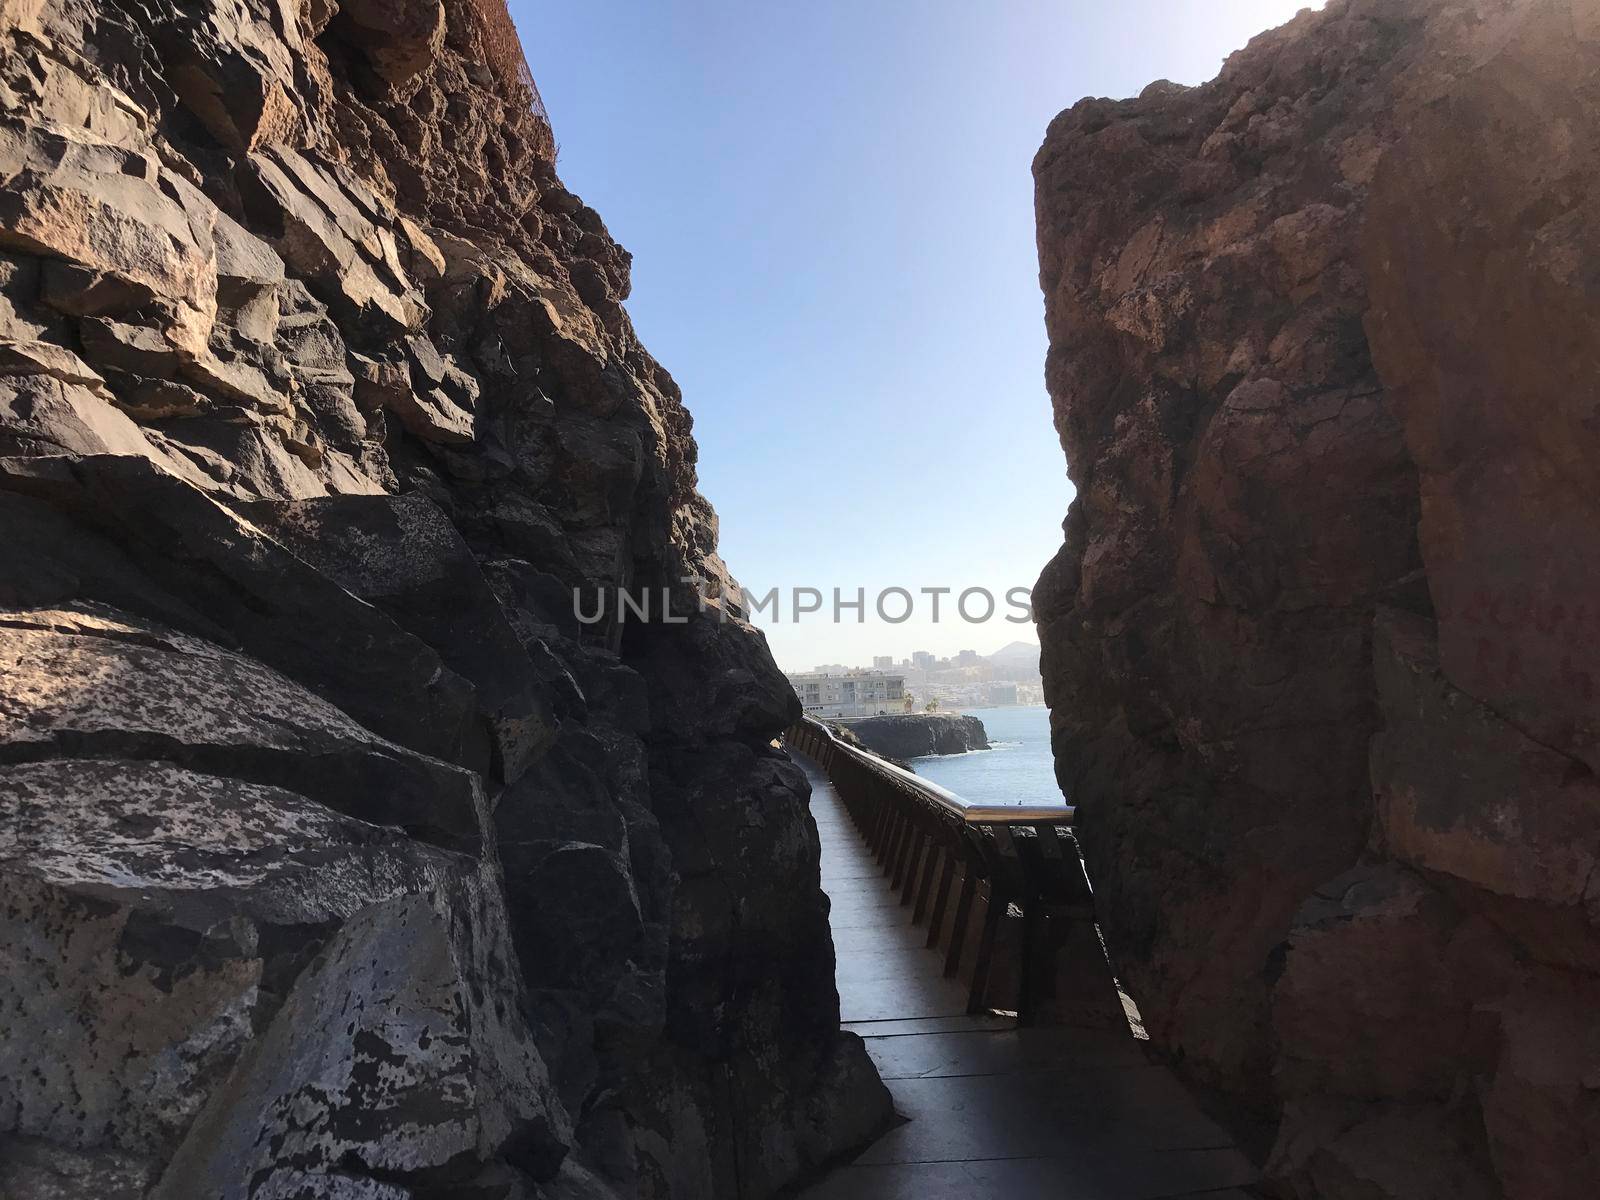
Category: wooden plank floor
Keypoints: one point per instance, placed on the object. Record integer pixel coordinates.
(992, 1110)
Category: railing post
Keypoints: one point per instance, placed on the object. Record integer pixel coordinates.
(906, 848)
(896, 830)
(913, 869)
(941, 894)
(983, 923)
(954, 926)
(932, 866)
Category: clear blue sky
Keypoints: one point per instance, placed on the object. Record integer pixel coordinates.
(831, 216)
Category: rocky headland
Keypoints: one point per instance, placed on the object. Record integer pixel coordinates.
(1320, 646)
(917, 735)
(337, 858)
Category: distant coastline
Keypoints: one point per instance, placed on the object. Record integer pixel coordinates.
(918, 735)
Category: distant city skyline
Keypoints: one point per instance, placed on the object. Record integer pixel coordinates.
(909, 657)
(966, 679)
(830, 209)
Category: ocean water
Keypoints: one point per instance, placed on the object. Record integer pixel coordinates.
(1017, 769)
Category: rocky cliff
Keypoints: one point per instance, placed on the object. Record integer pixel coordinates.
(916, 735)
(339, 859)
(1320, 644)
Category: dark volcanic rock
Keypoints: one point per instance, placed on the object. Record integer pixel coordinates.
(916, 735)
(1317, 645)
(338, 859)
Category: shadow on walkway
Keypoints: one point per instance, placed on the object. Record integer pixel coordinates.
(993, 1110)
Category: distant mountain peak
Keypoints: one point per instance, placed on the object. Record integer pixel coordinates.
(1016, 650)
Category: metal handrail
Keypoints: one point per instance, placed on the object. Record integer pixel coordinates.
(972, 814)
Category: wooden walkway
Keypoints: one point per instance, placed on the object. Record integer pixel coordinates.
(991, 1110)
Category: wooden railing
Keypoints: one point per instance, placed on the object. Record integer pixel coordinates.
(1000, 888)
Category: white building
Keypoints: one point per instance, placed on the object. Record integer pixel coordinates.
(851, 693)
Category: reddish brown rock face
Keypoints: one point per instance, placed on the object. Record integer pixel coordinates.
(1480, 244)
(1324, 359)
(1244, 498)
